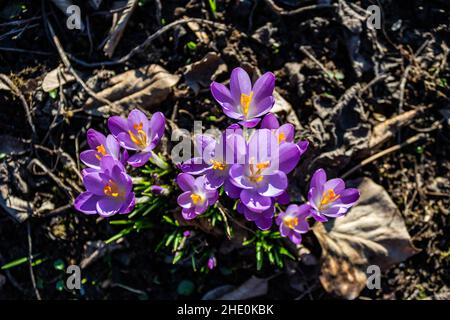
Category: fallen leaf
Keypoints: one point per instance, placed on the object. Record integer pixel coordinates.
(199, 33)
(282, 106)
(253, 287)
(372, 233)
(218, 292)
(200, 73)
(55, 78)
(145, 87)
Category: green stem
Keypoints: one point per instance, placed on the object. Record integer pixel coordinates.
(159, 162)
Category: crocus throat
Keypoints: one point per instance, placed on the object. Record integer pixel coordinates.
(245, 102)
(328, 197)
(111, 189)
(141, 138)
(102, 152)
(291, 222)
(217, 165)
(196, 198)
(255, 174)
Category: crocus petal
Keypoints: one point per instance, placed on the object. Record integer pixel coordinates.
(276, 184)
(129, 203)
(318, 179)
(231, 111)
(237, 177)
(289, 157)
(254, 201)
(107, 207)
(194, 166)
(94, 183)
(137, 117)
(349, 196)
(113, 146)
(319, 217)
(283, 198)
(108, 163)
(261, 108)
(264, 223)
(89, 158)
(95, 138)
(156, 128)
(337, 185)
(286, 133)
(221, 93)
(185, 181)
(231, 190)
(189, 214)
(303, 146)
(126, 142)
(263, 87)
(214, 178)
(334, 211)
(249, 123)
(270, 121)
(239, 84)
(184, 200)
(117, 125)
(295, 237)
(139, 159)
(87, 202)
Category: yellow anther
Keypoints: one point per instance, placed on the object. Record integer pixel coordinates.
(138, 126)
(291, 222)
(111, 189)
(196, 198)
(141, 138)
(245, 102)
(263, 165)
(217, 165)
(102, 152)
(281, 137)
(328, 197)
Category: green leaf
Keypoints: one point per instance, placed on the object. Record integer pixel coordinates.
(59, 264)
(21, 261)
(191, 45)
(285, 252)
(53, 94)
(185, 288)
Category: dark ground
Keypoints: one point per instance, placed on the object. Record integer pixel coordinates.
(416, 177)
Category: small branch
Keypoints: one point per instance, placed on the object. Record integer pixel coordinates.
(282, 12)
(30, 262)
(380, 154)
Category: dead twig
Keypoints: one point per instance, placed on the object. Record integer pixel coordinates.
(282, 12)
(25, 105)
(381, 154)
(117, 31)
(30, 263)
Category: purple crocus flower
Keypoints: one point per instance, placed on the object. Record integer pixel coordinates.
(242, 101)
(293, 222)
(284, 133)
(216, 157)
(329, 198)
(212, 263)
(139, 134)
(263, 176)
(100, 147)
(263, 220)
(108, 190)
(197, 197)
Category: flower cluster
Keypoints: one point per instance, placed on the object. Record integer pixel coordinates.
(109, 189)
(251, 164)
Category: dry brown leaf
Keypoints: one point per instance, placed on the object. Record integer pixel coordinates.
(200, 73)
(199, 33)
(372, 233)
(281, 105)
(55, 78)
(253, 287)
(145, 87)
